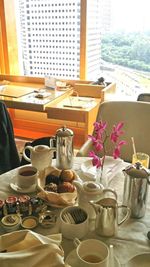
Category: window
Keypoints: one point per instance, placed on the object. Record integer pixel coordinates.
(60, 25)
(109, 38)
(125, 47)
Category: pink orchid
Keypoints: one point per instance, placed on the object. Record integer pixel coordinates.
(117, 150)
(96, 161)
(96, 143)
(100, 126)
(99, 139)
(116, 132)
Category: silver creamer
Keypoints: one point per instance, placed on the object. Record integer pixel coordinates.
(64, 148)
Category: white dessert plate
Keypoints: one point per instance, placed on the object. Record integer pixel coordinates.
(16, 188)
(141, 260)
(71, 259)
(110, 165)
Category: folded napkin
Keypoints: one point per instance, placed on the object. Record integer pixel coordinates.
(27, 248)
(111, 167)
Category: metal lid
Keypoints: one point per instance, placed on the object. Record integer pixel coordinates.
(24, 198)
(92, 187)
(11, 199)
(137, 171)
(64, 132)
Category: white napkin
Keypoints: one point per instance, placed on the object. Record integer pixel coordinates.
(111, 167)
(27, 248)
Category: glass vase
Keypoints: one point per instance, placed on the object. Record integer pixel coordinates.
(101, 177)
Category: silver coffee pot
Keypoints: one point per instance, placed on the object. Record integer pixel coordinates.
(64, 148)
(136, 189)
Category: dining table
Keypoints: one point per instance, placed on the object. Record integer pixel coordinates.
(131, 238)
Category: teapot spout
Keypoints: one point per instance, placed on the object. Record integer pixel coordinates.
(78, 185)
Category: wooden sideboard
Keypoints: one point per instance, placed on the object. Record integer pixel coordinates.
(35, 117)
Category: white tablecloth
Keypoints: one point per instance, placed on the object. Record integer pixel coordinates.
(131, 238)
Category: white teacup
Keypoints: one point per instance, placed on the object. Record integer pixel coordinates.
(26, 176)
(91, 253)
(74, 222)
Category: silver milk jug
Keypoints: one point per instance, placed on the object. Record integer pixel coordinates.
(136, 189)
(109, 215)
(64, 148)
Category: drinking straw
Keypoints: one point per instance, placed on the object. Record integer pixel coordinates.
(133, 145)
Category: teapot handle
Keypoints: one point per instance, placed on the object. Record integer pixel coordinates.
(24, 154)
(148, 178)
(76, 242)
(127, 214)
(111, 191)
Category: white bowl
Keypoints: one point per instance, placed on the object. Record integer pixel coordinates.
(74, 222)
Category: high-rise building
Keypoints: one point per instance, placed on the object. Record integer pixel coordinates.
(59, 38)
(106, 16)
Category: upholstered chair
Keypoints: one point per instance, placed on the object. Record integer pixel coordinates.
(136, 118)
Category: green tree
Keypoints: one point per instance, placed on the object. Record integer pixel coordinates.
(130, 50)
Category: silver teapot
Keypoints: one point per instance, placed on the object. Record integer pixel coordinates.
(64, 148)
(136, 189)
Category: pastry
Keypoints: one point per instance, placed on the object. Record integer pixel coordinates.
(51, 187)
(52, 179)
(67, 175)
(66, 187)
(56, 172)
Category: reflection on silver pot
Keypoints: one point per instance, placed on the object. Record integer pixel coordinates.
(64, 148)
(136, 189)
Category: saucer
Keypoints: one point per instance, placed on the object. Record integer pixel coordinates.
(16, 188)
(139, 260)
(71, 259)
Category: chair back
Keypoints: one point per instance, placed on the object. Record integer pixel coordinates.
(144, 97)
(135, 116)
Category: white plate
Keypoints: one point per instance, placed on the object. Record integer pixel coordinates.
(110, 165)
(142, 260)
(72, 260)
(16, 188)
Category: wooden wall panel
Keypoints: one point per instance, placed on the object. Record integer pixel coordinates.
(10, 19)
(4, 63)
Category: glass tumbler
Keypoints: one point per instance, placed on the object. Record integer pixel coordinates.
(142, 158)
